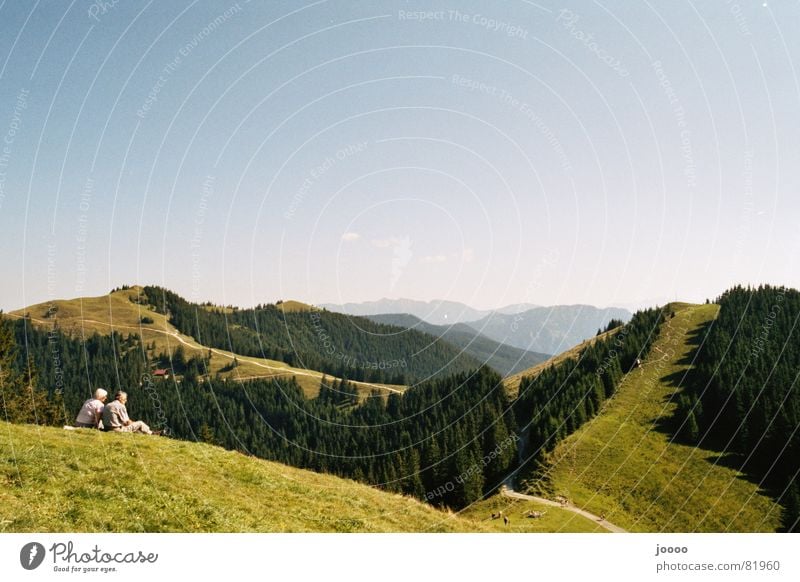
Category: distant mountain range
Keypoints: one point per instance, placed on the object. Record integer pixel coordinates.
(437, 312)
(548, 329)
(531, 328)
(504, 358)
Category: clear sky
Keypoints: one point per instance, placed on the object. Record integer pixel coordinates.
(490, 153)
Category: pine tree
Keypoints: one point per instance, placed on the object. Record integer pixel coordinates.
(467, 479)
(22, 400)
(430, 465)
(207, 435)
(691, 430)
(412, 484)
(791, 503)
(501, 452)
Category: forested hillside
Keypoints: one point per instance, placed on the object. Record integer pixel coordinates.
(501, 357)
(446, 441)
(560, 399)
(743, 396)
(341, 345)
(627, 465)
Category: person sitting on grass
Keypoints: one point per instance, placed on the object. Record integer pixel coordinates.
(92, 410)
(115, 417)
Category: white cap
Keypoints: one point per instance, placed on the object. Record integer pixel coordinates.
(100, 393)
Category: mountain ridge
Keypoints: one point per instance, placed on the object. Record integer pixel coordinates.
(435, 311)
(505, 359)
(549, 330)
(603, 464)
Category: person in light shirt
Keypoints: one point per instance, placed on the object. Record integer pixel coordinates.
(115, 417)
(92, 410)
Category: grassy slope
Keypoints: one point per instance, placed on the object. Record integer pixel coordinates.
(292, 306)
(618, 464)
(55, 480)
(512, 382)
(84, 316)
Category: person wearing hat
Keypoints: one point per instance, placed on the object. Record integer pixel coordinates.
(92, 410)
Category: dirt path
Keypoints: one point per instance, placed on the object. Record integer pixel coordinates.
(569, 507)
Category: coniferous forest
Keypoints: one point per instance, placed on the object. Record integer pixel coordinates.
(555, 403)
(341, 345)
(744, 398)
(447, 441)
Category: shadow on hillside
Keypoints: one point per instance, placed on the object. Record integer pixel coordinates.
(688, 382)
(736, 462)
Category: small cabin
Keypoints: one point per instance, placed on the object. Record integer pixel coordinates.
(161, 373)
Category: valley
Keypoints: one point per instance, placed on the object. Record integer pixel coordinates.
(603, 436)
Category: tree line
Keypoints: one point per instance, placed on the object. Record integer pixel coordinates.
(743, 397)
(556, 402)
(448, 441)
(336, 344)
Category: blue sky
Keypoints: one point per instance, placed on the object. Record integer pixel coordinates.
(603, 153)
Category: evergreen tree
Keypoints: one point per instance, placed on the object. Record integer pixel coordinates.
(430, 461)
(22, 401)
(746, 375)
(791, 503)
(500, 450)
(467, 479)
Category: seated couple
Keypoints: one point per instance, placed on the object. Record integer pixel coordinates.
(111, 417)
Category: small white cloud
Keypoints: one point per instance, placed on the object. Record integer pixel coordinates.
(432, 259)
(350, 236)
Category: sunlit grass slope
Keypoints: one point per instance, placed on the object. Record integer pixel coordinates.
(625, 465)
(55, 480)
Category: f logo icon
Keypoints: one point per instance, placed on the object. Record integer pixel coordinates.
(31, 555)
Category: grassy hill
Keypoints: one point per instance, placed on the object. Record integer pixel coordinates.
(88, 481)
(503, 358)
(292, 306)
(333, 343)
(119, 311)
(624, 465)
